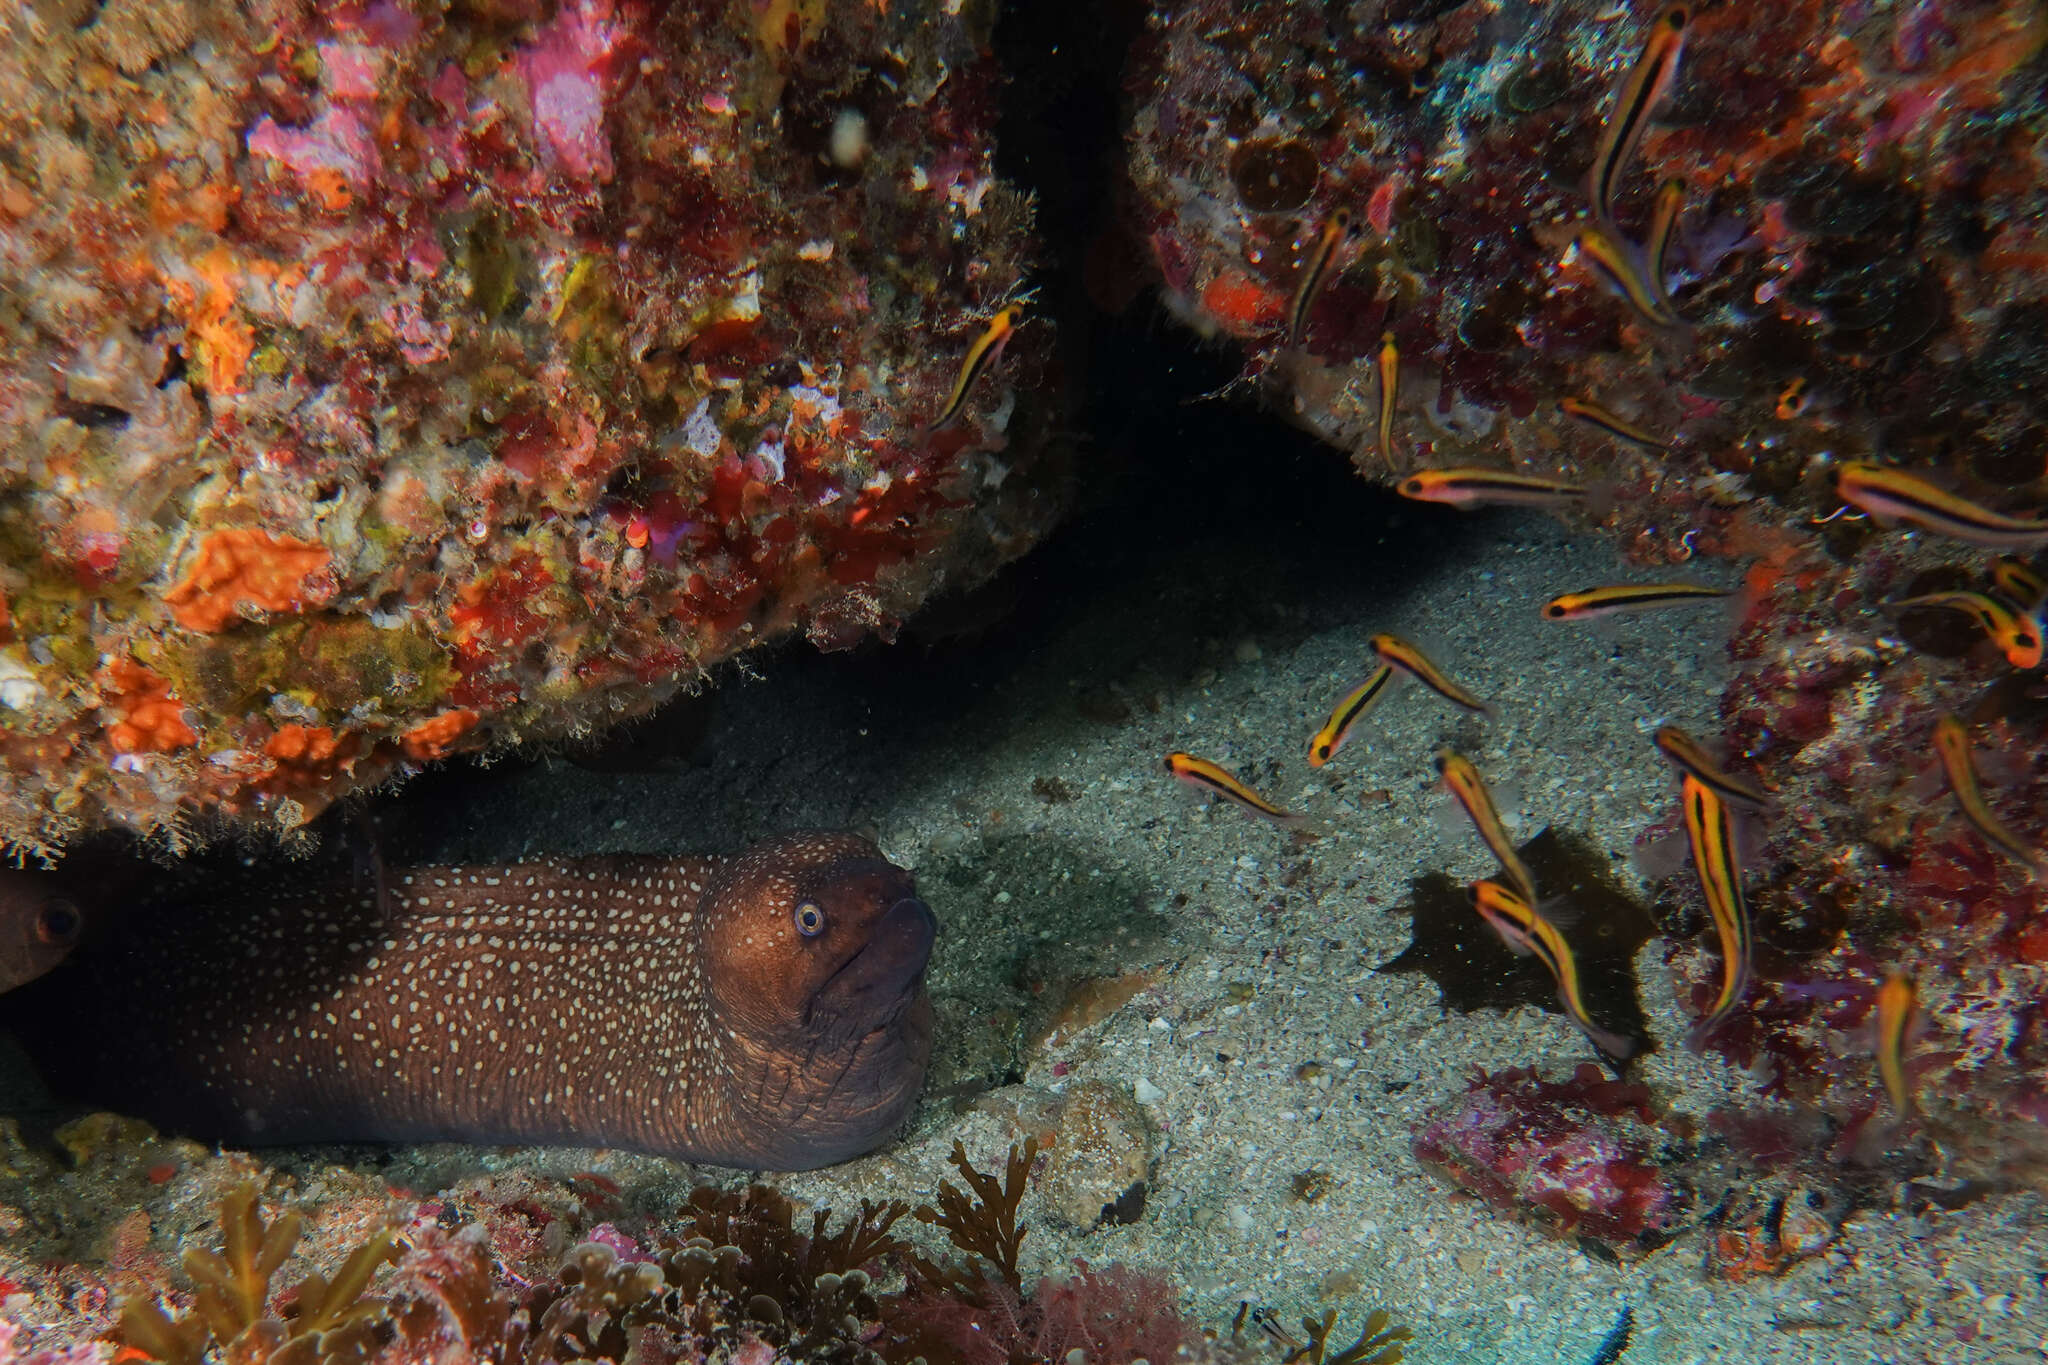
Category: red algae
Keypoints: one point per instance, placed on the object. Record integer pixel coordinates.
(1576, 1158)
(357, 341)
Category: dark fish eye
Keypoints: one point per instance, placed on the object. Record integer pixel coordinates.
(59, 923)
(810, 919)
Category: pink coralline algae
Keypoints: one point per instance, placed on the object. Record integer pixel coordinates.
(1855, 270)
(1576, 1158)
(383, 380)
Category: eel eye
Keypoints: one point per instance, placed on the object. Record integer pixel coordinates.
(59, 923)
(810, 919)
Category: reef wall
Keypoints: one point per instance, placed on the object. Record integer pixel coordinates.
(379, 380)
(1693, 262)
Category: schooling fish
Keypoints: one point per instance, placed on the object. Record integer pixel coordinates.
(1592, 414)
(1690, 756)
(1639, 94)
(761, 1010)
(1329, 241)
(1390, 388)
(1592, 602)
(1337, 729)
(1952, 746)
(1201, 773)
(1624, 269)
(2020, 584)
(1897, 1001)
(1396, 652)
(1793, 399)
(1894, 495)
(1470, 487)
(1525, 930)
(2016, 633)
(1664, 211)
(39, 926)
(987, 348)
(1712, 837)
(1469, 790)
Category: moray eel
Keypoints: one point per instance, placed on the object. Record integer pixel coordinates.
(764, 1010)
(39, 926)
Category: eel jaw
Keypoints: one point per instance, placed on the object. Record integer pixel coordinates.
(871, 990)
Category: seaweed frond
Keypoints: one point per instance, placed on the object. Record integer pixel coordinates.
(231, 1299)
(986, 1224)
(1377, 1344)
(741, 1272)
(865, 1238)
(234, 1282)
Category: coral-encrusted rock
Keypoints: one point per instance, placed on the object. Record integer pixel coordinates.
(1575, 1158)
(1099, 1160)
(1850, 221)
(1857, 274)
(380, 380)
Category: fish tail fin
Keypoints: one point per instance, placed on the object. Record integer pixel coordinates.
(1696, 1037)
(1615, 1045)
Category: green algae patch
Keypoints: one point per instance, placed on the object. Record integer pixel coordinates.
(336, 663)
(497, 269)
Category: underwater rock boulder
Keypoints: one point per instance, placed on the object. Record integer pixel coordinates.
(380, 381)
(1849, 261)
(1696, 261)
(1099, 1161)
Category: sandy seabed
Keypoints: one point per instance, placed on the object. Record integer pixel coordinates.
(1020, 776)
(1029, 797)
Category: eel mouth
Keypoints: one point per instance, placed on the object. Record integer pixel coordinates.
(872, 988)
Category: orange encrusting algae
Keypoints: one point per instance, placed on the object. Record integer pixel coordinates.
(152, 720)
(433, 739)
(241, 568)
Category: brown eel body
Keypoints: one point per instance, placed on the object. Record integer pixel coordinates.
(762, 1010)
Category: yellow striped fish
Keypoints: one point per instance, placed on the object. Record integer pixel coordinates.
(2021, 585)
(1712, 837)
(1592, 602)
(1390, 388)
(1690, 756)
(1641, 91)
(1206, 776)
(1897, 1002)
(1592, 414)
(1355, 703)
(1657, 248)
(1621, 265)
(1396, 652)
(1470, 487)
(1952, 746)
(1525, 930)
(2016, 633)
(986, 349)
(1894, 495)
(1323, 255)
(1469, 790)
